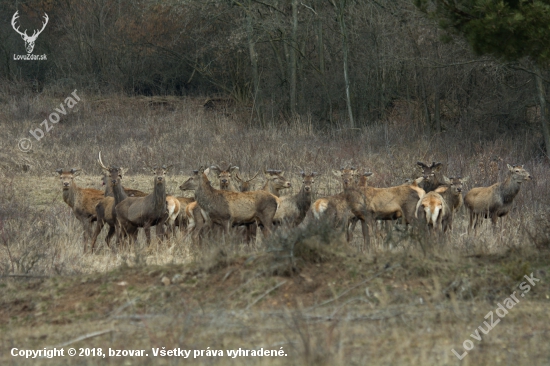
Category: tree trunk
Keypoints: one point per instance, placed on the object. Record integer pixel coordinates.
(253, 62)
(293, 46)
(542, 101)
(341, 21)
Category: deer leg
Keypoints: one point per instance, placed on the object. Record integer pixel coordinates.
(365, 231)
(98, 227)
(109, 235)
(147, 229)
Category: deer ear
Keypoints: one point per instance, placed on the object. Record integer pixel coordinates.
(367, 174)
(313, 174)
(421, 164)
(464, 180)
(216, 169)
(337, 173)
(234, 169)
(302, 173)
(510, 168)
(437, 166)
(60, 171)
(206, 171)
(447, 180)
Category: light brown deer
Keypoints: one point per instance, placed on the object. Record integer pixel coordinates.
(392, 203)
(432, 176)
(135, 212)
(81, 200)
(105, 209)
(225, 177)
(292, 209)
(232, 208)
(275, 182)
(435, 208)
(452, 194)
(495, 201)
(340, 210)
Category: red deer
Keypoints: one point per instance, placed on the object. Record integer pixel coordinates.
(432, 176)
(81, 200)
(394, 202)
(232, 208)
(275, 182)
(225, 177)
(135, 212)
(495, 201)
(341, 209)
(105, 209)
(435, 208)
(292, 209)
(244, 184)
(453, 197)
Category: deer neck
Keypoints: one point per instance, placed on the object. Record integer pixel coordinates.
(118, 193)
(268, 187)
(69, 195)
(509, 189)
(303, 199)
(159, 199)
(108, 190)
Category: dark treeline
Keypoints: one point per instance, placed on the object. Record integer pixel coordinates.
(341, 62)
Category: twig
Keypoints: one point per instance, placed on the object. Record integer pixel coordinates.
(353, 287)
(24, 276)
(86, 336)
(265, 294)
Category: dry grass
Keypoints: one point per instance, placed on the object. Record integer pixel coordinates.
(408, 300)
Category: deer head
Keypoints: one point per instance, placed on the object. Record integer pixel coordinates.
(518, 173)
(66, 177)
(29, 40)
(348, 176)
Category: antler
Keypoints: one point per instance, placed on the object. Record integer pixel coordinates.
(101, 162)
(13, 19)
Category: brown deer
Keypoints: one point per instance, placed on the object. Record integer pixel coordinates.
(435, 208)
(135, 212)
(342, 209)
(231, 208)
(292, 209)
(392, 203)
(275, 182)
(244, 184)
(225, 177)
(81, 200)
(105, 209)
(432, 176)
(495, 201)
(452, 194)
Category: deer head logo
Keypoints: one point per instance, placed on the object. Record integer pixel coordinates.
(29, 41)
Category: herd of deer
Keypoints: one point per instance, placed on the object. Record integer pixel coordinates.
(235, 205)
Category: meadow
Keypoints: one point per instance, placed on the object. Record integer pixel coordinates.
(410, 298)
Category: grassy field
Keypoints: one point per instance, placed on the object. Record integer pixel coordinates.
(410, 299)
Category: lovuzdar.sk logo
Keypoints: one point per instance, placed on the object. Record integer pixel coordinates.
(29, 40)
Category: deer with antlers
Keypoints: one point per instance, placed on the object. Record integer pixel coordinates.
(432, 176)
(29, 40)
(81, 200)
(135, 212)
(228, 208)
